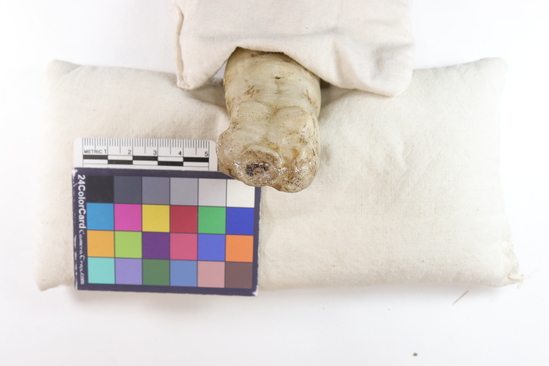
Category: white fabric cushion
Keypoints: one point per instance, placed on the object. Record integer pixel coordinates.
(408, 189)
(355, 44)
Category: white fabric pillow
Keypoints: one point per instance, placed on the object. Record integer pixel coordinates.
(408, 189)
(354, 44)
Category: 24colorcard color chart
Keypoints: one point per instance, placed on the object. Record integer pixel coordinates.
(165, 231)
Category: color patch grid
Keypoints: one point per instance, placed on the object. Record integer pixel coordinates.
(165, 231)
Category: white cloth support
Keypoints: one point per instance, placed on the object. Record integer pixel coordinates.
(408, 189)
(354, 44)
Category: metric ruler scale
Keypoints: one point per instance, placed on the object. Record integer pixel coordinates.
(164, 154)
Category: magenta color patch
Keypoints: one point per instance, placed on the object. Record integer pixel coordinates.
(183, 246)
(127, 217)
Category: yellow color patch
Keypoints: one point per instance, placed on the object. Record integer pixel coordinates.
(156, 218)
(100, 243)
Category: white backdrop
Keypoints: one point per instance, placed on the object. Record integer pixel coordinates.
(383, 325)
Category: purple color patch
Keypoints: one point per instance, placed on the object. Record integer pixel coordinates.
(128, 271)
(127, 217)
(156, 245)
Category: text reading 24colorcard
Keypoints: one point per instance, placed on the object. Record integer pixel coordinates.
(165, 231)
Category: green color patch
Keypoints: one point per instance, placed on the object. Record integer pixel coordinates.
(156, 272)
(211, 220)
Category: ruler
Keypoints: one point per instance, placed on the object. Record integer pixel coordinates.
(162, 154)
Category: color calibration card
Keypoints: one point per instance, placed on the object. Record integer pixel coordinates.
(165, 231)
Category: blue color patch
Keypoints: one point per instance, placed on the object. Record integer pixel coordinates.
(100, 216)
(183, 273)
(211, 247)
(240, 221)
